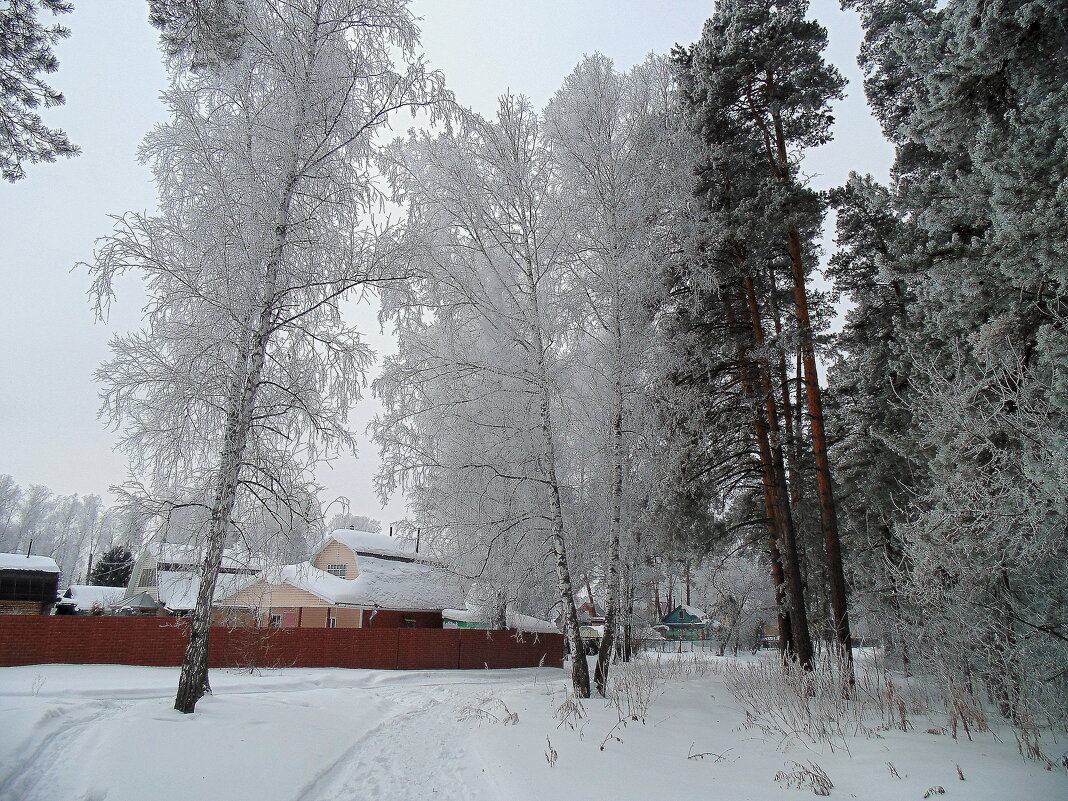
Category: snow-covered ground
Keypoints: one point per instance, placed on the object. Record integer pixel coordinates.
(107, 733)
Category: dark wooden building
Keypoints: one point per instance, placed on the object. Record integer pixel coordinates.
(29, 585)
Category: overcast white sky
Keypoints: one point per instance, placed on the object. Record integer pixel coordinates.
(111, 76)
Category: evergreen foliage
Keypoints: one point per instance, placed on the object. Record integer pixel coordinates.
(203, 33)
(113, 568)
(957, 348)
(757, 93)
(26, 51)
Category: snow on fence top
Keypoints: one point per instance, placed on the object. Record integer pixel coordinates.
(18, 561)
(514, 620)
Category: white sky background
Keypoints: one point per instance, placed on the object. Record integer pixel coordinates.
(111, 75)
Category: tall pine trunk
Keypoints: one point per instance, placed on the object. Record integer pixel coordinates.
(832, 545)
(824, 490)
(801, 637)
(775, 501)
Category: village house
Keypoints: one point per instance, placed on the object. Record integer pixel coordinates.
(87, 599)
(687, 623)
(28, 584)
(354, 579)
(165, 579)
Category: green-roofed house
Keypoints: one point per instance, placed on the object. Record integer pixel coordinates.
(687, 623)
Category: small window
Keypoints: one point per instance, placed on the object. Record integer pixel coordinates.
(331, 621)
(275, 622)
(337, 570)
(148, 578)
(409, 622)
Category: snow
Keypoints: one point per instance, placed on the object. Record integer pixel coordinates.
(384, 583)
(370, 542)
(177, 590)
(108, 733)
(84, 596)
(193, 556)
(18, 561)
(693, 611)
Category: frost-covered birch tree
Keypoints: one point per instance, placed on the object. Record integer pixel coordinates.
(611, 135)
(245, 371)
(482, 333)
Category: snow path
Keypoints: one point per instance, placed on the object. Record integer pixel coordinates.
(108, 733)
(410, 755)
(29, 774)
(90, 733)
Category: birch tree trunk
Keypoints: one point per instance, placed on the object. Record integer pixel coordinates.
(193, 680)
(604, 653)
(580, 671)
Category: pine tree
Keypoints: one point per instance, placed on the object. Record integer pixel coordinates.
(972, 94)
(26, 50)
(113, 568)
(205, 34)
(759, 93)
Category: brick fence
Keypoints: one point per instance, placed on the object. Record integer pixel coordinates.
(30, 640)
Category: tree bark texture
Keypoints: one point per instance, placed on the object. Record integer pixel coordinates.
(801, 636)
(249, 368)
(782, 169)
(604, 653)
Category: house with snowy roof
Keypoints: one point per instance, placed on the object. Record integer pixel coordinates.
(28, 584)
(687, 623)
(85, 599)
(354, 579)
(169, 574)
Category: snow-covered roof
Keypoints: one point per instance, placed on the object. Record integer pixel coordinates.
(368, 542)
(694, 611)
(177, 590)
(514, 619)
(174, 553)
(19, 561)
(681, 614)
(382, 583)
(83, 596)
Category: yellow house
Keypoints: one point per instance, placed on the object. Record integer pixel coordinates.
(353, 579)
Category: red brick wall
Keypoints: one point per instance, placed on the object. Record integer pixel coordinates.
(393, 619)
(28, 640)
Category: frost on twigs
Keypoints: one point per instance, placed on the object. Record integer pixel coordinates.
(705, 754)
(570, 712)
(551, 754)
(806, 775)
(242, 378)
(490, 710)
